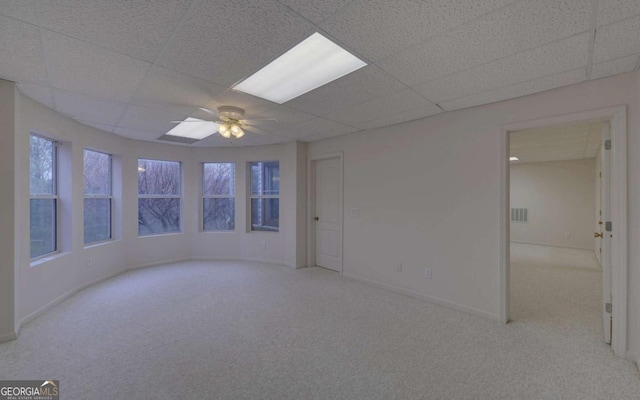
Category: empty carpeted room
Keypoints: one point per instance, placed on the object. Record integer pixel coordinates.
(304, 199)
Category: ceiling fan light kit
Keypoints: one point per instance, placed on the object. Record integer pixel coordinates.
(231, 124)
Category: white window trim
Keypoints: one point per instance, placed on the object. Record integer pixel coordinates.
(218, 196)
(54, 196)
(165, 196)
(102, 196)
(260, 196)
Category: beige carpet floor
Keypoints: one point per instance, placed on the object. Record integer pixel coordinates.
(215, 330)
(557, 289)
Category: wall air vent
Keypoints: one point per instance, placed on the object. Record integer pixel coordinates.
(520, 215)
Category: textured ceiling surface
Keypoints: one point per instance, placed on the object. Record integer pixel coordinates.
(132, 67)
(573, 141)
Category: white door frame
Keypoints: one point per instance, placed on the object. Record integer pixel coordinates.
(618, 118)
(311, 207)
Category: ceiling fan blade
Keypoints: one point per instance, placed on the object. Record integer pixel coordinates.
(255, 129)
(215, 122)
(260, 120)
(208, 111)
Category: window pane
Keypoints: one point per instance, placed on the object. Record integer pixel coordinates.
(158, 177)
(265, 214)
(97, 173)
(97, 220)
(265, 178)
(219, 179)
(42, 226)
(41, 166)
(158, 216)
(219, 214)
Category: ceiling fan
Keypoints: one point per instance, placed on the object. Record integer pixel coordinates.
(231, 121)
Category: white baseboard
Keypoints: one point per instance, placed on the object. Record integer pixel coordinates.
(8, 337)
(30, 317)
(430, 299)
(552, 245)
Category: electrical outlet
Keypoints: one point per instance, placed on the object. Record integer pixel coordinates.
(263, 245)
(427, 273)
(567, 234)
(399, 267)
(89, 261)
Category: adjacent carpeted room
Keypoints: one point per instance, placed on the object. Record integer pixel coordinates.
(557, 289)
(234, 330)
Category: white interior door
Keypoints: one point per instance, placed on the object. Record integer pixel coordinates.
(328, 213)
(605, 204)
(598, 209)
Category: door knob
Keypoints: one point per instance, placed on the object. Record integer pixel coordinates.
(316, 219)
(597, 234)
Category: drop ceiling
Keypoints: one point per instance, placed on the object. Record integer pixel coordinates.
(132, 67)
(574, 141)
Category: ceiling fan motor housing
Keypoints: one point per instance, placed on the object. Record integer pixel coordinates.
(230, 112)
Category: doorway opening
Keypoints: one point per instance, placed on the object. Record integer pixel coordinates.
(564, 230)
(556, 279)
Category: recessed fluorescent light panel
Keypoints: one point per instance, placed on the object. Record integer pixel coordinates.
(312, 63)
(194, 128)
(514, 159)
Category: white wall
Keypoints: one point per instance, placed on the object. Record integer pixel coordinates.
(429, 195)
(42, 283)
(560, 199)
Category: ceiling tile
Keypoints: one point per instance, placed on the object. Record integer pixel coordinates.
(86, 108)
(315, 11)
(383, 107)
(317, 126)
(97, 125)
(325, 135)
(215, 141)
(363, 85)
(286, 118)
(521, 26)
(224, 42)
(40, 93)
(517, 90)
(615, 10)
(398, 118)
(550, 59)
(253, 106)
(135, 134)
(614, 67)
(262, 140)
(147, 120)
(617, 40)
(135, 28)
(22, 57)
(24, 10)
(378, 28)
(80, 67)
(163, 88)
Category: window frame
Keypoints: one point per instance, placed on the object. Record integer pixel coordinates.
(54, 196)
(218, 196)
(100, 196)
(253, 196)
(164, 196)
